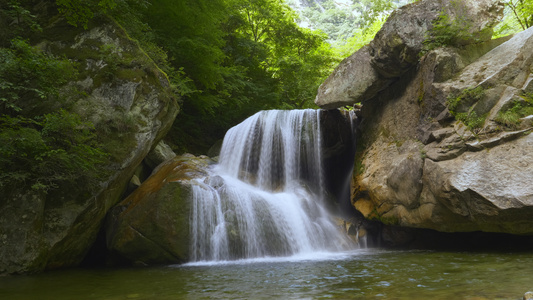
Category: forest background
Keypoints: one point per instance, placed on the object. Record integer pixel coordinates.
(225, 59)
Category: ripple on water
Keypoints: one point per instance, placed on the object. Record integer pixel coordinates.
(358, 275)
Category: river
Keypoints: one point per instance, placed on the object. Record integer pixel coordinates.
(358, 274)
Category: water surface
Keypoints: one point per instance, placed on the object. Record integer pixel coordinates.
(360, 274)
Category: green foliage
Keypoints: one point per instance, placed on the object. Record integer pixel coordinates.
(230, 59)
(227, 59)
(460, 107)
(191, 33)
(340, 21)
(374, 10)
(337, 22)
(448, 30)
(460, 103)
(518, 109)
(471, 120)
(45, 153)
(28, 75)
(360, 38)
(15, 20)
(42, 147)
(522, 11)
(79, 12)
(518, 16)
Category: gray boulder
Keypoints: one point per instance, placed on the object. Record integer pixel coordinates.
(397, 47)
(354, 79)
(159, 154)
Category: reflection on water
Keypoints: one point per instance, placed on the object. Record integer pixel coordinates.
(362, 274)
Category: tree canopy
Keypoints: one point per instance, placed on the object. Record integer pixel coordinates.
(518, 16)
(232, 58)
(226, 59)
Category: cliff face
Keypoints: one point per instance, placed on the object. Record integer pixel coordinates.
(128, 99)
(436, 149)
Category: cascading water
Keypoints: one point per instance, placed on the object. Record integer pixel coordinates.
(265, 197)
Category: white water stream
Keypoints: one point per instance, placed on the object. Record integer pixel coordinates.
(265, 197)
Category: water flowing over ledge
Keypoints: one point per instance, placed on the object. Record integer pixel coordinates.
(266, 196)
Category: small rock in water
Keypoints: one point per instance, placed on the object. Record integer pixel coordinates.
(528, 296)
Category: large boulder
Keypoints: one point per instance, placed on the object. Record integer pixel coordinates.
(159, 154)
(151, 226)
(397, 47)
(354, 79)
(129, 100)
(420, 167)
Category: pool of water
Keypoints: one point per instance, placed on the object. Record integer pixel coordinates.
(360, 274)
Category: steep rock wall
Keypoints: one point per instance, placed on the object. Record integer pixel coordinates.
(418, 166)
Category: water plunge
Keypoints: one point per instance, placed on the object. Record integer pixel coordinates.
(266, 195)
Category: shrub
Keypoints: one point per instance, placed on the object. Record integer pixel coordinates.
(45, 153)
(27, 76)
(511, 117)
(447, 31)
(80, 12)
(471, 120)
(460, 103)
(460, 106)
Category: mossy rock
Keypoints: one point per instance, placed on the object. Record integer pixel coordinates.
(66, 223)
(151, 226)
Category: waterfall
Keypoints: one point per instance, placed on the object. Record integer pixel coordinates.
(265, 197)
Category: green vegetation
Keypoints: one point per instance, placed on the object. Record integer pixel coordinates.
(447, 31)
(360, 38)
(517, 110)
(460, 106)
(42, 145)
(226, 59)
(48, 151)
(518, 17)
(462, 102)
(341, 20)
(471, 120)
(29, 77)
(349, 25)
(79, 12)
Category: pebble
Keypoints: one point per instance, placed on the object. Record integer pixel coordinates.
(528, 296)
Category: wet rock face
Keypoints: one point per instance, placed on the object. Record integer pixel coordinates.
(397, 47)
(338, 148)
